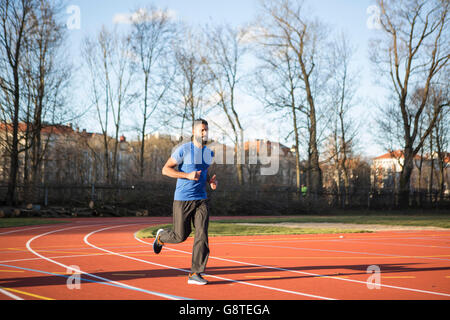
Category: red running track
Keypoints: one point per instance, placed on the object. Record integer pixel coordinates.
(44, 262)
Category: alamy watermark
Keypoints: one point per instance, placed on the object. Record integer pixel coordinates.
(73, 22)
(374, 19)
(256, 152)
(74, 280)
(374, 280)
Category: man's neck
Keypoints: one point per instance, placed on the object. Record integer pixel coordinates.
(198, 145)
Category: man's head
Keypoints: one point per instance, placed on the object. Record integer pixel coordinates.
(200, 131)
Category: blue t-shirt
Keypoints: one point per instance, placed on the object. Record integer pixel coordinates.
(190, 158)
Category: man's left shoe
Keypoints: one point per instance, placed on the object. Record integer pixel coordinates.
(196, 278)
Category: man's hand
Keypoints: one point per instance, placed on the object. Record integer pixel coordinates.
(213, 182)
(194, 175)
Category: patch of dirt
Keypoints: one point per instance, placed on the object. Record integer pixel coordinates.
(348, 226)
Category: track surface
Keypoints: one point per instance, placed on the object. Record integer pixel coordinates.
(44, 262)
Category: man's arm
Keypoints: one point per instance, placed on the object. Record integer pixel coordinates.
(170, 171)
(212, 180)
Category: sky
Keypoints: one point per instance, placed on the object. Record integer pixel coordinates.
(354, 17)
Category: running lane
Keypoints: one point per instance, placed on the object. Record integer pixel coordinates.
(40, 262)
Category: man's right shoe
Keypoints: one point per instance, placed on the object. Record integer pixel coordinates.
(196, 278)
(157, 244)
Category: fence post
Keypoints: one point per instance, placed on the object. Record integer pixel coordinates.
(92, 192)
(46, 196)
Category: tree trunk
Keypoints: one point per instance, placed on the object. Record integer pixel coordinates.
(144, 125)
(405, 177)
(315, 171)
(14, 159)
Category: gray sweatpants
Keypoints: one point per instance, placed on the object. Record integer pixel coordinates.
(184, 212)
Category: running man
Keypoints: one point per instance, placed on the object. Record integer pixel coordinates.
(190, 201)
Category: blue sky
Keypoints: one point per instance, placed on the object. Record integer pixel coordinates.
(350, 16)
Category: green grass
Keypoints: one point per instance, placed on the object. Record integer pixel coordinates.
(21, 222)
(441, 221)
(230, 229)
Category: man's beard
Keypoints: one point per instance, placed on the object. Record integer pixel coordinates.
(201, 140)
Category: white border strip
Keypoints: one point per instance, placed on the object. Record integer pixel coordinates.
(9, 294)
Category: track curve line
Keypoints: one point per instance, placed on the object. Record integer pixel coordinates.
(187, 271)
(119, 284)
(235, 281)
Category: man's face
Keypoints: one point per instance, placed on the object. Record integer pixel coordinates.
(200, 133)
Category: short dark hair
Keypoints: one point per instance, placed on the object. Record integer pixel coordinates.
(200, 121)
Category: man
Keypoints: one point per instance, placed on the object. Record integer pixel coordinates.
(304, 190)
(190, 201)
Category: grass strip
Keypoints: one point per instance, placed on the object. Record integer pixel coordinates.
(441, 221)
(230, 229)
(21, 222)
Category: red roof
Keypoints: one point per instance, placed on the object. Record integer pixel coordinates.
(58, 129)
(398, 154)
(447, 157)
(55, 129)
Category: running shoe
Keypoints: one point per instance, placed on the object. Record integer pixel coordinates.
(157, 244)
(196, 278)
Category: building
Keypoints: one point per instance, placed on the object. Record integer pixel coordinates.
(386, 169)
(68, 156)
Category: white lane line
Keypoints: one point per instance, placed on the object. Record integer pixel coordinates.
(393, 244)
(9, 294)
(338, 251)
(25, 229)
(297, 240)
(84, 223)
(62, 248)
(313, 274)
(74, 256)
(187, 271)
(123, 285)
(326, 240)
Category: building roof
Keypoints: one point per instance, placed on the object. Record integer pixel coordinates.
(58, 129)
(54, 128)
(396, 154)
(446, 157)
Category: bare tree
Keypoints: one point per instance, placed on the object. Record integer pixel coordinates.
(46, 77)
(151, 37)
(107, 58)
(411, 51)
(287, 26)
(342, 86)
(441, 136)
(226, 52)
(192, 78)
(428, 117)
(281, 92)
(14, 27)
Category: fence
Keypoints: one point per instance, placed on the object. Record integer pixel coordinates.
(157, 198)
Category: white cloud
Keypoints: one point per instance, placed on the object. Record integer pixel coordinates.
(142, 15)
(252, 34)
